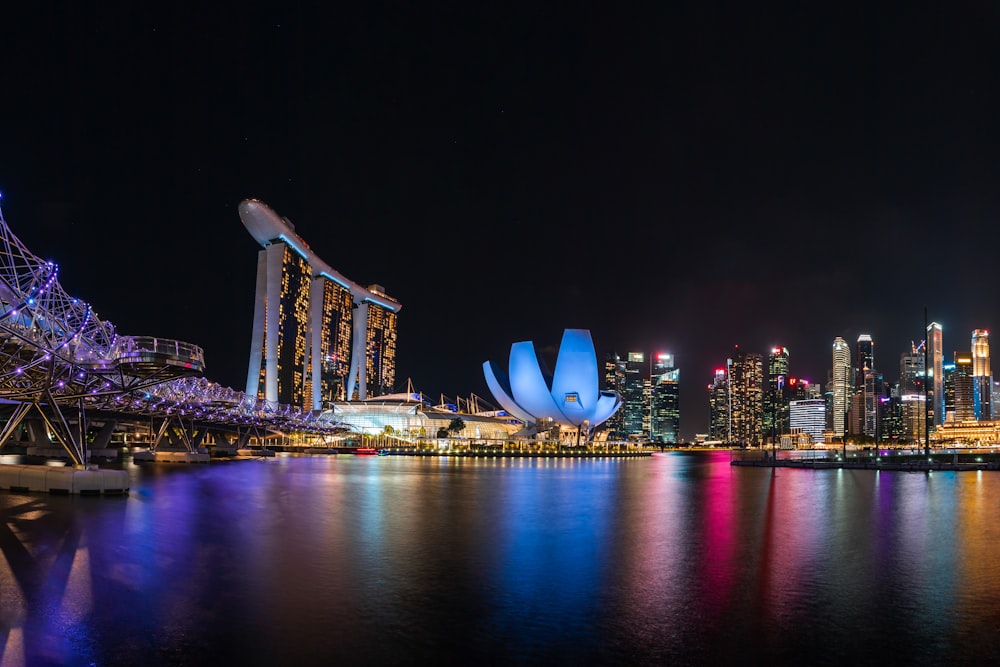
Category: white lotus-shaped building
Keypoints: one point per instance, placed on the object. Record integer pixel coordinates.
(571, 396)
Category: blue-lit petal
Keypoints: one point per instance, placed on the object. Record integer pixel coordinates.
(576, 372)
(499, 386)
(528, 385)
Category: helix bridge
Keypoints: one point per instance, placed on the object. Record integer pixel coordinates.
(60, 362)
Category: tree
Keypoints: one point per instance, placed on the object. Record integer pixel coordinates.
(456, 425)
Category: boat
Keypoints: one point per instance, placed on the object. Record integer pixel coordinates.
(365, 451)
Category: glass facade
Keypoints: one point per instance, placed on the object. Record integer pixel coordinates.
(776, 397)
(746, 394)
(841, 370)
(664, 421)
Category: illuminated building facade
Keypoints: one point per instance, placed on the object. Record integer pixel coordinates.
(636, 397)
(746, 394)
(776, 397)
(809, 416)
(982, 377)
(570, 397)
(964, 387)
(614, 381)
(664, 404)
(317, 337)
(935, 388)
(841, 373)
(718, 407)
(912, 376)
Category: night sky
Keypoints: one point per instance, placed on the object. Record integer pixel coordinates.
(684, 177)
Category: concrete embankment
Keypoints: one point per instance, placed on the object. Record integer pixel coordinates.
(64, 480)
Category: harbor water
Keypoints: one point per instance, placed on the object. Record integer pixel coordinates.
(673, 559)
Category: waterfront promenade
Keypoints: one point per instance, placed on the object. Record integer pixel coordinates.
(906, 460)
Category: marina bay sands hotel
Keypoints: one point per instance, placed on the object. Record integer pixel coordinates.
(317, 336)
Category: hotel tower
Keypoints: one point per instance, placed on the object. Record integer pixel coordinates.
(317, 336)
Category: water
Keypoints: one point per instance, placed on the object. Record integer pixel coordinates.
(669, 560)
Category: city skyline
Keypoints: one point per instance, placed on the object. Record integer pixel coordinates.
(673, 179)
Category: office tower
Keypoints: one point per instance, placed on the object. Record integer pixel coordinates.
(775, 421)
(864, 360)
(935, 387)
(718, 407)
(841, 372)
(664, 407)
(317, 336)
(865, 381)
(809, 416)
(614, 380)
(948, 371)
(964, 387)
(634, 400)
(911, 393)
(982, 377)
(746, 397)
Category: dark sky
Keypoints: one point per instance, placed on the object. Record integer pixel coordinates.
(679, 177)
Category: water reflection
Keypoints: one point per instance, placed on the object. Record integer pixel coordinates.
(673, 559)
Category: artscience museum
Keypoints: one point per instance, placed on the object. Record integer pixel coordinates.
(569, 398)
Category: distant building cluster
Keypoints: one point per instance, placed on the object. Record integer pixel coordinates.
(934, 400)
(650, 391)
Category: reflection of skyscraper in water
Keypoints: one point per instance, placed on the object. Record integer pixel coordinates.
(982, 377)
(317, 336)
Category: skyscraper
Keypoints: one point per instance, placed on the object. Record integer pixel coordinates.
(776, 397)
(635, 402)
(964, 387)
(841, 376)
(912, 401)
(935, 388)
(718, 407)
(982, 377)
(746, 393)
(664, 405)
(614, 380)
(317, 336)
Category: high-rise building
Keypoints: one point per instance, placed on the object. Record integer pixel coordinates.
(776, 397)
(948, 383)
(718, 407)
(912, 400)
(982, 377)
(964, 387)
(317, 336)
(614, 380)
(746, 394)
(864, 360)
(841, 387)
(664, 406)
(935, 388)
(635, 403)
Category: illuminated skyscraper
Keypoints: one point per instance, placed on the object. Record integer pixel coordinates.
(864, 359)
(912, 380)
(964, 387)
(776, 397)
(614, 380)
(636, 397)
(935, 388)
(664, 404)
(982, 377)
(718, 406)
(746, 394)
(841, 376)
(317, 336)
